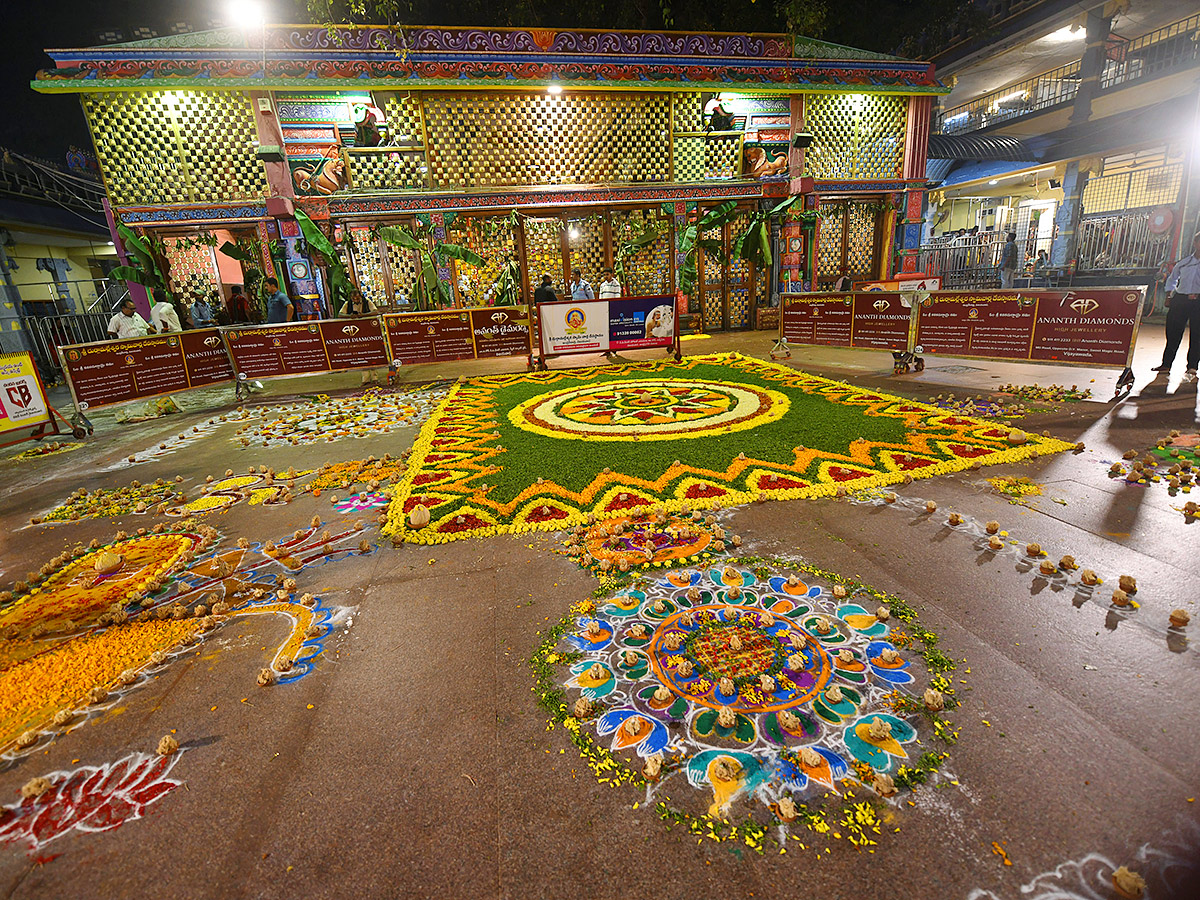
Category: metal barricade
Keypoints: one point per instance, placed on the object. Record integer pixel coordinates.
(48, 333)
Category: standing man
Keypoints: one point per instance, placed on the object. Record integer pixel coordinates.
(163, 314)
(279, 307)
(580, 289)
(128, 323)
(239, 307)
(202, 313)
(610, 287)
(544, 293)
(1008, 261)
(1183, 298)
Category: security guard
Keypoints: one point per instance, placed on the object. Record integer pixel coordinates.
(1183, 291)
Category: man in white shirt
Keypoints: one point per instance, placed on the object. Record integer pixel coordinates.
(1183, 293)
(610, 287)
(162, 314)
(580, 289)
(128, 323)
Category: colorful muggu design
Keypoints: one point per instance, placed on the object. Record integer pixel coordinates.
(748, 685)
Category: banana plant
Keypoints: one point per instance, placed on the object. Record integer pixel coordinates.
(339, 278)
(435, 292)
(691, 240)
(754, 244)
(628, 248)
(144, 254)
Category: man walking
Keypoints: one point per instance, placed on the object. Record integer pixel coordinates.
(1008, 261)
(580, 289)
(1183, 299)
(279, 307)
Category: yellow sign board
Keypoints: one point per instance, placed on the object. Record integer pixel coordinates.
(22, 400)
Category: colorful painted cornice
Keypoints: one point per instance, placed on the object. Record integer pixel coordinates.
(293, 57)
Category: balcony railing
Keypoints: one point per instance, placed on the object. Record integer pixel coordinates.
(1172, 48)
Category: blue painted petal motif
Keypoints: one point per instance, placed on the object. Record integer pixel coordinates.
(894, 672)
(589, 642)
(650, 736)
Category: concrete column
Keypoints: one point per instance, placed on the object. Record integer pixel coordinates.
(1092, 65)
(12, 336)
(1066, 220)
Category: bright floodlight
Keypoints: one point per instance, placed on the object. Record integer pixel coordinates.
(554, 89)
(246, 14)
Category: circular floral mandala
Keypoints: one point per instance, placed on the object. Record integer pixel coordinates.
(650, 409)
(641, 539)
(760, 686)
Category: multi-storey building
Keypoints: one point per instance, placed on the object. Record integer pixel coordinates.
(1076, 126)
(553, 149)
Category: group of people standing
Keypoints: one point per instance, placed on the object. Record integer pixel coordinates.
(169, 314)
(579, 288)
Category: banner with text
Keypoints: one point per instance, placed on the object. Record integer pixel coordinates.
(1078, 327)
(109, 372)
(574, 327)
(453, 334)
(22, 402)
(875, 320)
(597, 326)
(641, 322)
(302, 348)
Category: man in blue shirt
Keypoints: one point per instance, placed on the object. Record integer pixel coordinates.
(1008, 260)
(580, 289)
(1183, 295)
(202, 313)
(279, 307)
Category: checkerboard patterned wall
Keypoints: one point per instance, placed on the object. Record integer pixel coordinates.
(508, 139)
(585, 248)
(493, 239)
(368, 266)
(176, 146)
(193, 269)
(647, 271)
(858, 136)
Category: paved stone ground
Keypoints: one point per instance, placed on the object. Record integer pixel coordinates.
(414, 762)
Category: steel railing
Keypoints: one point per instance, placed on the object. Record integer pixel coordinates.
(964, 263)
(1172, 48)
(1043, 91)
(1120, 241)
(48, 333)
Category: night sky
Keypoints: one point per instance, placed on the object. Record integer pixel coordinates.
(44, 125)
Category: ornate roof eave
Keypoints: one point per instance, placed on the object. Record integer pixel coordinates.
(422, 71)
(308, 57)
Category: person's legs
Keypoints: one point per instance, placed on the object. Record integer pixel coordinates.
(1193, 354)
(1006, 277)
(1177, 319)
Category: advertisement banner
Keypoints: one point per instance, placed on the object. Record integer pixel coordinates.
(1079, 327)
(876, 320)
(501, 331)
(429, 337)
(574, 327)
(354, 343)
(269, 351)
(638, 322)
(109, 372)
(22, 403)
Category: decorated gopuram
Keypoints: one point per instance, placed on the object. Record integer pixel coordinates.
(538, 151)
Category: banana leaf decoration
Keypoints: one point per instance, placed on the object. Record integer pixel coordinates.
(754, 244)
(143, 254)
(233, 251)
(690, 240)
(432, 290)
(628, 248)
(339, 278)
